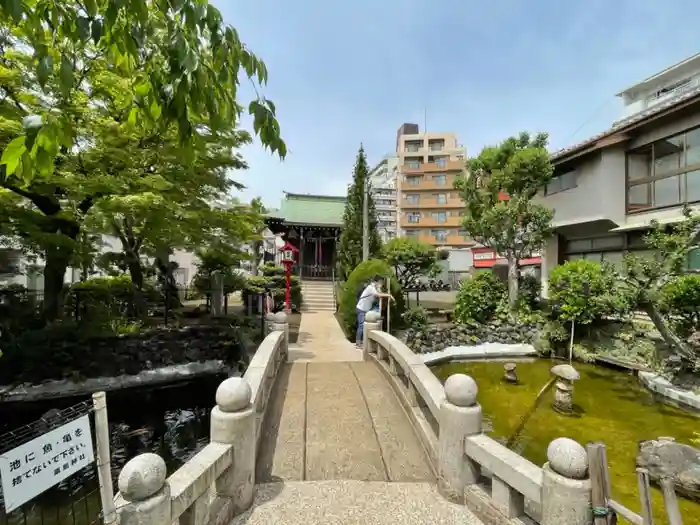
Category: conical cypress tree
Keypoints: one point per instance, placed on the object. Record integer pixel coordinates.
(350, 244)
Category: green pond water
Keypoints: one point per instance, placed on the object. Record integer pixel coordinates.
(610, 406)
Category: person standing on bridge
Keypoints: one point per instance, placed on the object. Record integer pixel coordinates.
(366, 301)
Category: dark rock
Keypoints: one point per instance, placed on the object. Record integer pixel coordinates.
(664, 458)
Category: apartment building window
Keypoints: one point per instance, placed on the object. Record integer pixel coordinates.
(563, 182)
(441, 198)
(440, 180)
(413, 181)
(665, 173)
(441, 162)
(436, 145)
(464, 234)
(413, 146)
(411, 233)
(413, 199)
(412, 164)
(440, 217)
(414, 217)
(440, 235)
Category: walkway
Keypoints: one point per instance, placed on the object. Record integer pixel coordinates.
(337, 446)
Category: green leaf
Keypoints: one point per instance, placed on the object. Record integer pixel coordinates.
(14, 7)
(66, 74)
(133, 116)
(83, 28)
(44, 69)
(91, 7)
(155, 110)
(142, 88)
(13, 153)
(97, 31)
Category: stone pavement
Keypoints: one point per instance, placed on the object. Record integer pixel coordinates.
(353, 503)
(322, 339)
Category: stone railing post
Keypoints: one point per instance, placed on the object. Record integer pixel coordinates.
(144, 489)
(566, 487)
(279, 321)
(373, 321)
(233, 423)
(460, 416)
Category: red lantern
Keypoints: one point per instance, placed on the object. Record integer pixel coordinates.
(289, 253)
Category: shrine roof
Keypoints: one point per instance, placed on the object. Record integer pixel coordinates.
(307, 209)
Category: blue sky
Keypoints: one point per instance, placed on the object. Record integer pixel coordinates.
(345, 73)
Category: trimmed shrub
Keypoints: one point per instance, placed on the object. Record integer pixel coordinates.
(680, 299)
(416, 317)
(361, 275)
(478, 298)
(105, 298)
(272, 277)
(584, 291)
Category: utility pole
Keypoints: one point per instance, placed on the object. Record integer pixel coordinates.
(365, 219)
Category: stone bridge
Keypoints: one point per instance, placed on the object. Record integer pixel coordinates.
(324, 433)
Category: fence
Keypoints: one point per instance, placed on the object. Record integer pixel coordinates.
(53, 474)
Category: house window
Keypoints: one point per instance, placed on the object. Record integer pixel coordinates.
(436, 145)
(440, 217)
(563, 182)
(413, 164)
(413, 146)
(412, 198)
(441, 162)
(440, 180)
(441, 198)
(10, 261)
(440, 235)
(665, 173)
(413, 181)
(414, 217)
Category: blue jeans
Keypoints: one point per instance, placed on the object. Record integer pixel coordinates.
(359, 335)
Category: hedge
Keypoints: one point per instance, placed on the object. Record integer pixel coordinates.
(272, 277)
(362, 274)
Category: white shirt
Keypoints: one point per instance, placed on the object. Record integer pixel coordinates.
(367, 298)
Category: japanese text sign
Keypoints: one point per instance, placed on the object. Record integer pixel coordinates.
(37, 465)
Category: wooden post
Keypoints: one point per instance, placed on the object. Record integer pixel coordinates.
(645, 495)
(598, 466)
(673, 511)
(388, 306)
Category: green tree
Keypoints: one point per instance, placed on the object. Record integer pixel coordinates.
(410, 259)
(514, 226)
(257, 207)
(646, 277)
(350, 245)
(182, 60)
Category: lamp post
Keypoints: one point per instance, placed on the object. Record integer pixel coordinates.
(288, 258)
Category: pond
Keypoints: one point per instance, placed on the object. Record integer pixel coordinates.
(613, 408)
(171, 421)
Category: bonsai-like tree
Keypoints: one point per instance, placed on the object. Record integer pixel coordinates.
(498, 189)
(411, 259)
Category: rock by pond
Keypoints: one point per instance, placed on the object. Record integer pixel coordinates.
(664, 458)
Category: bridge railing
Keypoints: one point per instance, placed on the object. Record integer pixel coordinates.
(495, 482)
(218, 482)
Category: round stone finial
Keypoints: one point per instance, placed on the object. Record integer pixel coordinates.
(233, 394)
(461, 390)
(142, 477)
(373, 317)
(279, 317)
(568, 458)
(565, 371)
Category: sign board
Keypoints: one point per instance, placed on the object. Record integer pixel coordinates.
(484, 256)
(37, 465)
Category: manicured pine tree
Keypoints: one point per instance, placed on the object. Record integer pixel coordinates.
(350, 244)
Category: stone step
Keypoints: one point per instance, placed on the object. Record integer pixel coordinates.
(349, 502)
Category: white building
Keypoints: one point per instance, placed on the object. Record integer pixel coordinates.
(383, 180)
(608, 189)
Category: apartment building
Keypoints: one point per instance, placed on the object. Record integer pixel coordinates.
(646, 166)
(430, 209)
(383, 187)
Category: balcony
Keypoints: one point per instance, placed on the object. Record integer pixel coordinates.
(429, 184)
(433, 203)
(428, 221)
(433, 167)
(450, 240)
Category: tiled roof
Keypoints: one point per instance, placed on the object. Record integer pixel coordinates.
(321, 210)
(629, 121)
